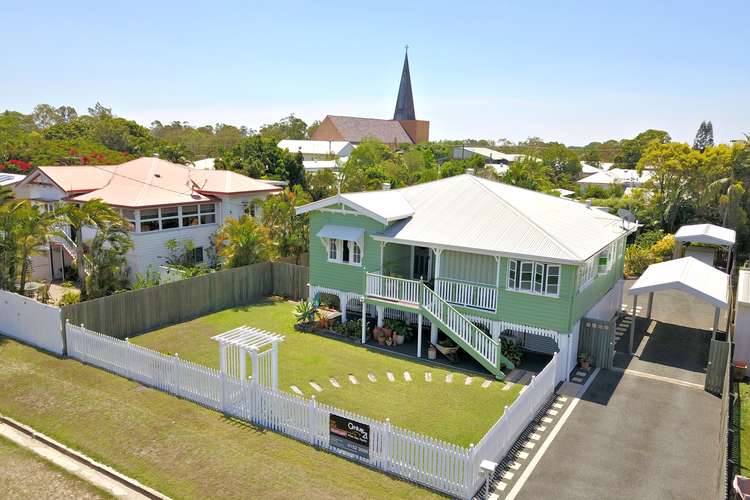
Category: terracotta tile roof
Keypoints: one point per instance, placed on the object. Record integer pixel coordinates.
(146, 182)
(356, 129)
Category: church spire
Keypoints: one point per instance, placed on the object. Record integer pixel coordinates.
(405, 100)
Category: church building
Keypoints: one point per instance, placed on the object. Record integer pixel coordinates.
(404, 128)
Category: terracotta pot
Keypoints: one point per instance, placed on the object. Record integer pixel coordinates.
(431, 353)
(381, 340)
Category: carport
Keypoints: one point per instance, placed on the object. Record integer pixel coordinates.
(688, 275)
(705, 234)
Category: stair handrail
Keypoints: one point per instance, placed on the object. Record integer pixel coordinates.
(67, 242)
(426, 291)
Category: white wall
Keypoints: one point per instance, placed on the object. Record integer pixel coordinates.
(608, 305)
(742, 333)
(39, 192)
(31, 322)
(149, 248)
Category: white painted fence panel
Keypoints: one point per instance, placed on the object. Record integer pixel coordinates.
(31, 322)
(442, 466)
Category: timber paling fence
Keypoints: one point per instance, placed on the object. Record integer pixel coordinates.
(137, 311)
(439, 465)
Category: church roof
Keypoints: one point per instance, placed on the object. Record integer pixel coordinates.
(356, 129)
(405, 100)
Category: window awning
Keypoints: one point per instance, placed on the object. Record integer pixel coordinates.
(334, 231)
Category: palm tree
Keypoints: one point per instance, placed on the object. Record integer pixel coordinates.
(10, 216)
(242, 242)
(34, 228)
(108, 264)
(94, 214)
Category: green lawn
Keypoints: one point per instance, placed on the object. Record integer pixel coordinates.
(455, 412)
(175, 446)
(23, 474)
(744, 424)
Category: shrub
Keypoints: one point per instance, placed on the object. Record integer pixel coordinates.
(648, 239)
(637, 259)
(664, 248)
(512, 351)
(70, 298)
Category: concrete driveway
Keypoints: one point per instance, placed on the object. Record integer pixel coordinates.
(646, 430)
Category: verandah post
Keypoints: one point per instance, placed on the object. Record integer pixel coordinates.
(364, 319)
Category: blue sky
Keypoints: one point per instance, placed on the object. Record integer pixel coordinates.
(568, 71)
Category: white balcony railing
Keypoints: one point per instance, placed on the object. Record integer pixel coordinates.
(466, 294)
(391, 288)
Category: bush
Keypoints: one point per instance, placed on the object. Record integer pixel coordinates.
(637, 259)
(649, 248)
(664, 248)
(512, 351)
(70, 298)
(647, 239)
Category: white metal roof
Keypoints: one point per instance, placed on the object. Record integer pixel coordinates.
(485, 152)
(689, 275)
(743, 287)
(316, 147)
(7, 179)
(708, 234)
(245, 337)
(473, 214)
(315, 165)
(336, 232)
(589, 169)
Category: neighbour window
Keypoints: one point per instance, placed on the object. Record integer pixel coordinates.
(208, 213)
(527, 270)
(587, 272)
(190, 215)
(332, 249)
(129, 216)
(512, 269)
(195, 255)
(533, 277)
(169, 218)
(344, 252)
(149, 220)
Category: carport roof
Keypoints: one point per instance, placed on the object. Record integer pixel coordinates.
(708, 234)
(689, 275)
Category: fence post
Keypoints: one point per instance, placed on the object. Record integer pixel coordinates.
(175, 373)
(312, 407)
(387, 445)
(275, 365)
(223, 382)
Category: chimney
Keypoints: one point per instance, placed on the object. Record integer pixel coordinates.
(386, 186)
(469, 171)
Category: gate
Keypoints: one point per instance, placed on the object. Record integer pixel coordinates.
(718, 359)
(598, 340)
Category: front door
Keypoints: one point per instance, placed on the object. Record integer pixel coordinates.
(421, 268)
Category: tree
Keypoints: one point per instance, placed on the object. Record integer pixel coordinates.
(562, 162)
(288, 231)
(704, 138)
(45, 116)
(261, 158)
(632, 149)
(93, 214)
(289, 127)
(242, 241)
(107, 257)
(322, 184)
(528, 173)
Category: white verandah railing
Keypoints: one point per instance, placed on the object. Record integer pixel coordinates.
(462, 293)
(392, 288)
(443, 466)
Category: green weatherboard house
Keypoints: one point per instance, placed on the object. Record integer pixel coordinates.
(474, 259)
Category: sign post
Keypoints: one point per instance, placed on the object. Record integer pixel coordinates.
(349, 436)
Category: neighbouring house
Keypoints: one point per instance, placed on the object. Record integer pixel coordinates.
(161, 201)
(489, 155)
(475, 259)
(204, 164)
(404, 128)
(319, 155)
(615, 176)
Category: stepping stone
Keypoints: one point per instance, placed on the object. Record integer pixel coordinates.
(468, 381)
(316, 387)
(514, 466)
(334, 383)
(552, 412)
(449, 378)
(486, 384)
(529, 445)
(296, 390)
(523, 455)
(535, 437)
(557, 405)
(390, 376)
(507, 386)
(371, 377)
(407, 376)
(577, 380)
(428, 376)
(353, 379)
(547, 420)
(507, 475)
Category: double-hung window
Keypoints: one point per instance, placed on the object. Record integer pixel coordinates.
(344, 252)
(533, 277)
(356, 253)
(333, 249)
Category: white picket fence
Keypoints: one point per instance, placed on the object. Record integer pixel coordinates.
(30, 321)
(439, 465)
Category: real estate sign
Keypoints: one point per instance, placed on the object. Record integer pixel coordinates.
(350, 436)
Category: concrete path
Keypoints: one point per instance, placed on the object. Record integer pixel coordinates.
(93, 472)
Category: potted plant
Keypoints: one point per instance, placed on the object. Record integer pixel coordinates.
(400, 330)
(585, 360)
(431, 352)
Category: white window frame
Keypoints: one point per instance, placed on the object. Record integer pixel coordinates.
(530, 281)
(538, 277)
(547, 276)
(514, 280)
(339, 249)
(355, 254)
(333, 250)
